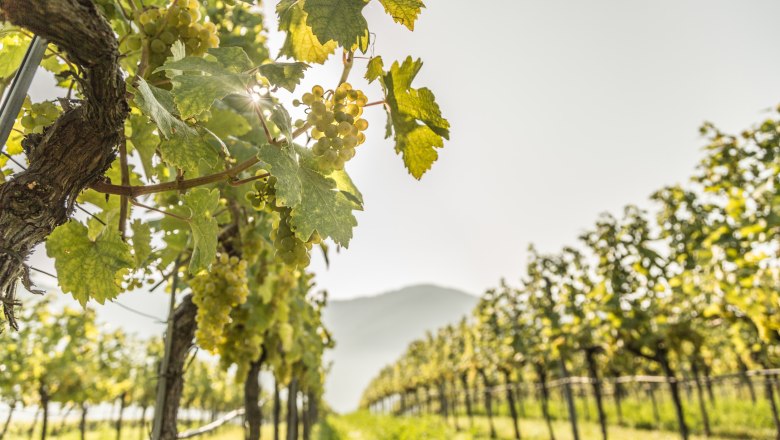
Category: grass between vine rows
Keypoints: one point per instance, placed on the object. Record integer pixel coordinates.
(363, 426)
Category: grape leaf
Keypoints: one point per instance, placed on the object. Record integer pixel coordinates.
(201, 83)
(89, 269)
(283, 164)
(285, 75)
(318, 202)
(300, 42)
(142, 242)
(375, 69)
(403, 11)
(323, 208)
(339, 20)
(202, 204)
(158, 105)
(225, 123)
(345, 184)
(143, 139)
(186, 153)
(14, 46)
(414, 117)
(233, 58)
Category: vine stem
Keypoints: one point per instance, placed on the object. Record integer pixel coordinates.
(123, 211)
(348, 59)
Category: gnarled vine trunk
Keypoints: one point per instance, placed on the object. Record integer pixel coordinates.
(184, 326)
(77, 149)
(590, 358)
(252, 415)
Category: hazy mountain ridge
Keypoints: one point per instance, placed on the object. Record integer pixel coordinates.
(373, 331)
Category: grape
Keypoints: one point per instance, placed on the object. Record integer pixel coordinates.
(158, 46)
(167, 37)
(344, 128)
(331, 131)
(150, 28)
(350, 141)
(361, 124)
(134, 42)
(318, 107)
(216, 293)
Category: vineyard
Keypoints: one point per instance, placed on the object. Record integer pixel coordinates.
(664, 320)
(178, 153)
(203, 152)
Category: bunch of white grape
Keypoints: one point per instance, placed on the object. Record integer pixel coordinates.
(336, 124)
(161, 27)
(243, 339)
(216, 293)
(289, 248)
(263, 193)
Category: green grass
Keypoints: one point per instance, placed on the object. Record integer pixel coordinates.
(732, 416)
(364, 426)
(105, 430)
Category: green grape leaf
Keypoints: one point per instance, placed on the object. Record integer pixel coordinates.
(300, 42)
(178, 50)
(403, 11)
(415, 118)
(89, 269)
(186, 153)
(14, 46)
(375, 69)
(202, 204)
(158, 105)
(225, 123)
(347, 187)
(339, 20)
(283, 164)
(143, 139)
(201, 82)
(285, 75)
(142, 242)
(234, 58)
(323, 208)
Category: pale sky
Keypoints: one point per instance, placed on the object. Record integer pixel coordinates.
(559, 110)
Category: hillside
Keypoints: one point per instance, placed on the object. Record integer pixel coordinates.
(373, 331)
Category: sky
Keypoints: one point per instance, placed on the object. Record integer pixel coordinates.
(559, 109)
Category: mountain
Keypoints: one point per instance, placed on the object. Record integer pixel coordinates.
(373, 331)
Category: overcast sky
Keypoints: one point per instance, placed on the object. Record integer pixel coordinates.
(559, 110)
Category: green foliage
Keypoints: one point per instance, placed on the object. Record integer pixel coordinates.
(223, 171)
(285, 75)
(89, 267)
(404, 12)
(202, 205)
(341, 21)
(414, 117)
